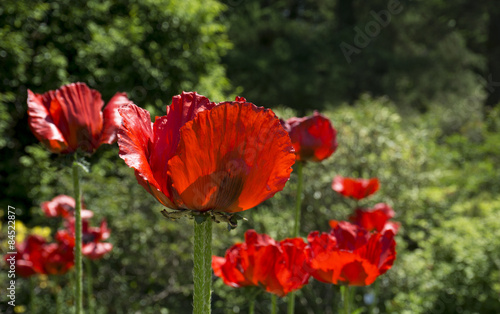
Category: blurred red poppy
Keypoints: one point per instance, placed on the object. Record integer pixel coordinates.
(70, 118)
(28, 259)
(92, 245)
(277, 267)
(64, 206)
(57, 258)
(205, 156)
(376, 218)
(313, 138)
(350, 254)
(35, 256)
(92, 237)
(355, 188)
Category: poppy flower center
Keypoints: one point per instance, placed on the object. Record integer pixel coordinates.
(220, 189)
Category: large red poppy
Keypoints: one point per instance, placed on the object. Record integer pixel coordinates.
(70, 118)
(350, 254)
(28, 259)
(313, 138)
(93, 246)
(355, 188)
(202, 156)
(374, 219)
(64, 206)
(277, 267)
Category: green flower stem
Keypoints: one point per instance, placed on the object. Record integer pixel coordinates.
(346, 300)
(251, 310)
(78, 237)
(291, 302)
(90, 300)
(296, 227)
(274, 304)
(202, 271)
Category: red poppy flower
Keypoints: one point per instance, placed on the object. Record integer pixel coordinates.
(28, 259)
(92, 245)
(57, 258)
(278, 267)
(203, 156)
(376, 218)
(63, 206)
(355, 188)
(313, 138)
(70, 118)
(350, 254)
(92, 237)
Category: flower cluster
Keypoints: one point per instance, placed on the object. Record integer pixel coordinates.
(348, 254)
(92, 237)
(212, 159)
(36, 256)
(93, 246)
(278, 267)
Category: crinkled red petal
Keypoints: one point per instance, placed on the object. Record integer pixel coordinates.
(231, 158)
(166, 131)
(81, 108)
(112, 119)
(135, 140)
(42, 124)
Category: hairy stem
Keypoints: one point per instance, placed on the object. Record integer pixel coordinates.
(78, 238)
(251, 310)
(202, 271)
(274, 304)
(346, 299)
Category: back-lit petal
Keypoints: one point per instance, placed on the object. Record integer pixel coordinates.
(135, 139)
(373, 218)
(81, 107)
(231, 158)
(349, 254)
(42, 124)
(166, 131)
(96, 250)
(230, 269)
(64, 206)
(277, 267)
(112, 119)
(355, 188)
(291, 270)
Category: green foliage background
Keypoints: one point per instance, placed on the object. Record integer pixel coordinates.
(438, 169)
